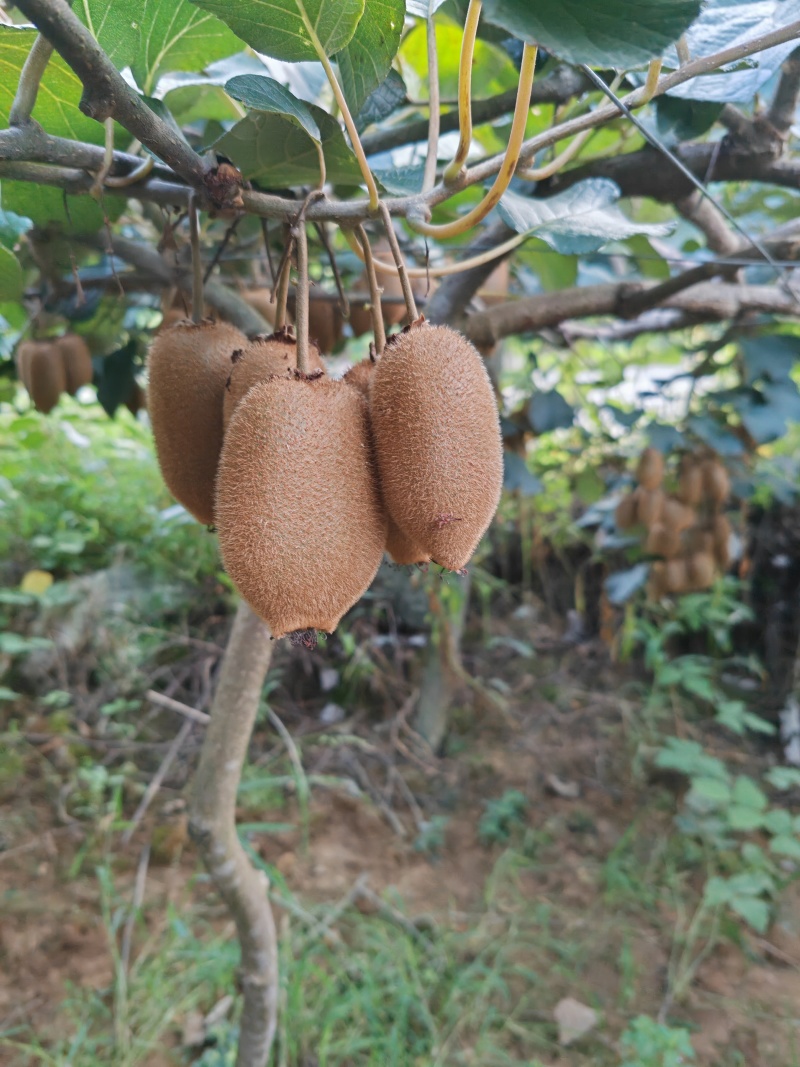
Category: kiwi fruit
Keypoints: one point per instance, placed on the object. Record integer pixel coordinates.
(716, 483)
(699, 539)
(301, 523)
(77, 361)
(676, 576)
(650, 504)
(690, 482)
(325, 323)
(721, 531)
(24, 353)
(650, 469)
(137, 400)
(657, 583)
(360, 375)
(48, 379)
(360, 315)
(701, 570)
(495, 289)
(259, 300)
(437, 441)
(625, 515)
(662, 541)
(189, 364)
(676, 516)
(262, 358)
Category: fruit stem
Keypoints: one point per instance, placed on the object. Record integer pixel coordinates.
(651, 84)
(408, 296)
(322, 233)
(29, 80)
(374, 292)
(282, 289)
(197, 264)
(454, 169)
(429, 174)
(446, 268)
(301, 298)
(355, 140)
(508, 166)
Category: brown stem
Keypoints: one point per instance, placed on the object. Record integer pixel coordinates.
(322, 233)
(197, 262)
(301, 298)
(29, 80)
(212, 826)
(374, 292)
(784, 102)
(408, 295)
(282, 291)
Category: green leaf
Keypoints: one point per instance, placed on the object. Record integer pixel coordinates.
(622, 586)
(12, 227)
(517, 477)
(10, 275)
(423, 9)
(767, 411)
(608, 33)
(785, 846)
(725, 23)
(755, 912)
(380, 104)
(783, 777)
(276, 152)
(746, 792)
(8, 694)
(711, 789)
(744, 819)
(16, 645)
(57, 111)
(289, 29)
(176, 36)
(771, 357)
(265, 94)
(549, 411)
(367, 58)
(578, 221)
(684, 120)
(116, 27)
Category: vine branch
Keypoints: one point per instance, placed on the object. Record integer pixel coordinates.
(29, 80)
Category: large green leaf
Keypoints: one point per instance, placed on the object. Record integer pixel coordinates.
(265, 94)
(290, 29)
(10, 275)
(380, 104)
(367, 58)
(116, 27)
(579, 220)
(176, 36)
(423, 8)
(608, 33)
(57, 111)
(493, 71)
(276, 152)
(725, 23)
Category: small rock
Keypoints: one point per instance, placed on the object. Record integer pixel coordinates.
(562, 788)
(331, 713)
(574, 1020)
(328, 679)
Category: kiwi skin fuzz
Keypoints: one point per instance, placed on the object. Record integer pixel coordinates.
(189, 364)
(437, 441)
(400, 548)
(77, 361)
(259, 360)
(48, 379)
(300, 518)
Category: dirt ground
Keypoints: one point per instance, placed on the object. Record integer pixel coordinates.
(593, 841)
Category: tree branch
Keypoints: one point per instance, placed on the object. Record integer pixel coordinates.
(784, 103)
(212, 826)
(105, 93)
(707, 217)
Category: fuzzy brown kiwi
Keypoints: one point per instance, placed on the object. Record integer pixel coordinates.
(649, 505)
(699, 539)
(360, 315)
(189, 364)
(262, 358)
(676, 576)
(626, 514)
(662, 541)
(137, 400)
(437, 440)
(690, 482)
(657, 583)
(259, 299)
(701, 570)
(650, 469)
(325, 323)
(495, 289)
(401, 548)
(47, 376)
(716, 483)
(299, 514)
(721, 531)
(24, 353)
(677, 516)
(77, 361)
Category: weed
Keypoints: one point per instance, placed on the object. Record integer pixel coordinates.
(501, 817)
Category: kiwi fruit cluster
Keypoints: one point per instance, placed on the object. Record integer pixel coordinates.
(53, 366)
(309, 480)
(686, 529)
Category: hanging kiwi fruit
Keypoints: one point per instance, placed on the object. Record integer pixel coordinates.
(77, 361)
(626, 514)
(189, 364)
(259, 360)
(690, 481)
(437, 441)
(299, 514)
(46, 375)
(716, 483)
(650, 470)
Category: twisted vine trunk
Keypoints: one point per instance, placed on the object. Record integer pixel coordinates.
(212, 826)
